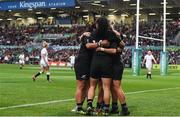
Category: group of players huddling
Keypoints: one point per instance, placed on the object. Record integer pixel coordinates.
(99, 63)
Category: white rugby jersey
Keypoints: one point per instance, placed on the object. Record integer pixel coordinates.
(21, 57)
(72, 59)
(149, 59)
(45, 54)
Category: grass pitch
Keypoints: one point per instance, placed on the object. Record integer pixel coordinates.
(20, 96)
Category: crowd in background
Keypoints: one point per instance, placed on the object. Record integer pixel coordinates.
(69, 36)
(20, 36)
(63, 55)
(11, 35)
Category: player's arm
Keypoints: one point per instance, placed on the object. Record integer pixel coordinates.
(118, 39)
(144, 60)
(50, 59)
(87, 34)
(91, 45)
(122, 45)
(107, 50)
(116, 32)
(154, 60)
(119, 49)
(94, 45)
(113, 50)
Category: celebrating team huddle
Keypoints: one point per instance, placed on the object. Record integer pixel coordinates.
(99, 62)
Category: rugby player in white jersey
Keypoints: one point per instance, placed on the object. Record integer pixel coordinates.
(21, 60)
(43, 62)
(72, 61)
(148, 61)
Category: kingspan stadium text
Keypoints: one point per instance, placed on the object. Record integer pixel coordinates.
(32, 4)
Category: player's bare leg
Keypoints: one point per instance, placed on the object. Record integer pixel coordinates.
(114, 104)
(80, 90)
(149, 73)
(84, 92)
(121, 96)
(91, 93)
(106, 97)
(20, 67)
(100, 101)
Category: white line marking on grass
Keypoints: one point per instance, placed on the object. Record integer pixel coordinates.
(53, 68)
(67, 100)
(35, 104)
(154, 90)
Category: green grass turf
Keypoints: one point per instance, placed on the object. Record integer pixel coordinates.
(17, 88)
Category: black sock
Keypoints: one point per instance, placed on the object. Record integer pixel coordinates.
(48, 77)
(106, 108)
(98, 105)
(124, 107)
(102, 105)
(37, 74)
(147, 76)
(79, 106)
(114, 105)
(83, 101)
(89, 102)
(150, 76)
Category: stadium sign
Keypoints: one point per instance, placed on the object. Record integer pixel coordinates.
(171, 66)
(33, 4)
(4, 46)
(136, 61)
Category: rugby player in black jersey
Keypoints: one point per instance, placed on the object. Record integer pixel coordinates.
(82, 71)
(101, 66)
(118, 67)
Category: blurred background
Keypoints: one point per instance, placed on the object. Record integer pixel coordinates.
(25, 24)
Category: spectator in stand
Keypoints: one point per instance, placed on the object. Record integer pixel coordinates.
(28, 37)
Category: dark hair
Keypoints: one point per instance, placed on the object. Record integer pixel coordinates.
(103, 27)
(92, 27)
